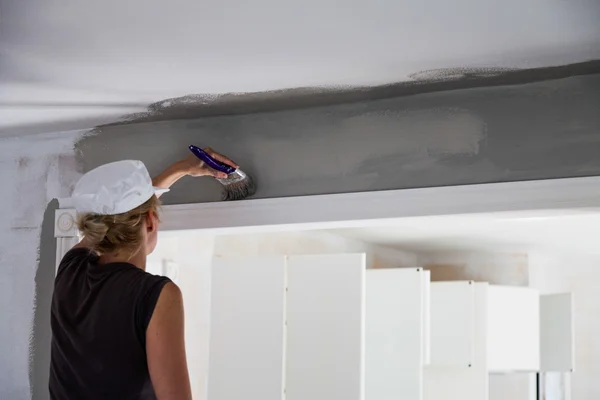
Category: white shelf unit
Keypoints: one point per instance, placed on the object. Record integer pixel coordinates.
(324, 327)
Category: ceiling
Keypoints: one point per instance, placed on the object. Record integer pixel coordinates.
(94, 61)
(577, 232)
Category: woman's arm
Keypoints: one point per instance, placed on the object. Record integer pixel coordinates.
(190, 166)
(165, 347)
(169, 176)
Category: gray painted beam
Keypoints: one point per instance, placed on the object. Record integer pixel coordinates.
(539, 130)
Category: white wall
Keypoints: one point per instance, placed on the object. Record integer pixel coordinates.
(128, 54)
(497, 268)
(33, 171)
(312, 242)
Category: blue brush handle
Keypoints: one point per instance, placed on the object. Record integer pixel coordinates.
(211, 162)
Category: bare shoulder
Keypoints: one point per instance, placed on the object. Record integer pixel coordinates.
(169, 305)
(170, 294)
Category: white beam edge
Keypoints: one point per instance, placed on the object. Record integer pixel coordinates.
(549, 198)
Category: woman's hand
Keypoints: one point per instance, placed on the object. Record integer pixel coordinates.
(196, 167)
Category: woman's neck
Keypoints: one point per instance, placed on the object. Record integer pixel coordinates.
(138, 258)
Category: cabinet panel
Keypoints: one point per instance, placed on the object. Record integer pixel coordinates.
(247, 328)
(452, 323)
(395, 332)
(556, 333)
(513, 329)
(325, 327)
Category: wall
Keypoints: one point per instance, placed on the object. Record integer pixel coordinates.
(312, 242)
(536, 131)
(497, 268)
(33, 171)
(192, 252)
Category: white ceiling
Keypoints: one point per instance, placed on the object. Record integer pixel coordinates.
(577, 232)
(94, 60)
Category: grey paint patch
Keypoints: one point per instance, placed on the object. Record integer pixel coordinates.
(541, 130)
(39, 346)
(430, 81)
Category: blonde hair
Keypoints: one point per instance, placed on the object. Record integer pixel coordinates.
(108, 233)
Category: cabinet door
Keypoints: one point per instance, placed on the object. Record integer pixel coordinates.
(556, 333)
(513, 329)
(325, 327)
(247, 328)
(395, 332)
(452, 323)
(461, 381)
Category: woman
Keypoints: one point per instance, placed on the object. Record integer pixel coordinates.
(118, 332)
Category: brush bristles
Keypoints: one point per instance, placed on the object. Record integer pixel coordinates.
(238, 189)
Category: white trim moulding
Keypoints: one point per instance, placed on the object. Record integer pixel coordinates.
(545, 198)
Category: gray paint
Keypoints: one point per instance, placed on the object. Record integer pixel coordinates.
(540, 130)
(39, 352)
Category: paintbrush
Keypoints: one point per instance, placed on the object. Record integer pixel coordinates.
(237, 186)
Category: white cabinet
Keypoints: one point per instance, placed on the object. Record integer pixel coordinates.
(324, 327)
(287, 327)
(478, 329)
(316, 327)
(511, 316)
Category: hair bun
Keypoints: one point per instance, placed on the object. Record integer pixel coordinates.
(108, 233)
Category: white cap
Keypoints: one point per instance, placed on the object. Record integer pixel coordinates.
(114, 188)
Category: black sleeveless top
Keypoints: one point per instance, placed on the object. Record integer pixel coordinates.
(99, 318)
